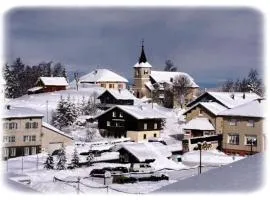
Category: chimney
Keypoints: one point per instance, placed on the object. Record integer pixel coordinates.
(244, 95)
(232, 96)
(259, 100)
(119, 89)
(8, 107)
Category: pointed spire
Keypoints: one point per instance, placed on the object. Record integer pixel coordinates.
(142, 57)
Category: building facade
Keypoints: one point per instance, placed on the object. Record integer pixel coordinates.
(21, 132)
(133, 122)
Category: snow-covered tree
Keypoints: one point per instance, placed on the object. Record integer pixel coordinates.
(66, 113)
(90, 133)
(75, 159)
(90, 107)
(89, 159)
(254, 82)
(49, 163)
(61, 164)
(181, 88)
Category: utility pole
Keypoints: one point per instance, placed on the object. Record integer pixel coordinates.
(22, 164)
(200, 148)
(78, 186)
(37, 161)
(47, 109)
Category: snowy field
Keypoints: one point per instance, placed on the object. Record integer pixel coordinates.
(41, 180)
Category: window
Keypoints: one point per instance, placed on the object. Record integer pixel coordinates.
(27, 125)
(114, 114)
(145, 126)
(108, 123)
(6, 152)
(233, 139)
(34, 150)
(29, 138)
(35, 125)
(120, 86)
(12, 152)
(111, 85)
(233, 122)
(121, 115)
(103, 85)
(144, 136)
(155, 125)
(251, 139)
(5, 125)
(155, 135)
(145, 72)
(12, 125)
(171, 80)
(7, 139)
(26, 151)
(251, 123)
(137, 73)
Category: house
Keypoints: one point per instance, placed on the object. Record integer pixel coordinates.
(138, 122)
(142, 152)
(200, 130)
(210, 104)
(243, 131)
(24, 133)
(112, 97)
(21, 131)
(227, 99)
(147, 81)
(104, 78)
(52, 138)
(48, 84)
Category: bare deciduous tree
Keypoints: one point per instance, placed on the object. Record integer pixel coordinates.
(181, 88)
(169, 66)
(76, 78)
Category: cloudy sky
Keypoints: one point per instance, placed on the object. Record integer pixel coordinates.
(211, 44)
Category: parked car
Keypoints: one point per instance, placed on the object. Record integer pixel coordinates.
(98, 173)
(142, 167)
(121, 169)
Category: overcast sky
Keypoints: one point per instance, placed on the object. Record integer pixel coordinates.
(210, 44)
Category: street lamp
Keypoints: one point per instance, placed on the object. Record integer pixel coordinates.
(200, 148)
(252, 142)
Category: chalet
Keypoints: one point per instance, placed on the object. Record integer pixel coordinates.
(112, 97)
(24, 133)
(148, 81)
(200, 130)
(243, 131)
(48, 84)
(104, 78)
(138, 122)
(142, 152)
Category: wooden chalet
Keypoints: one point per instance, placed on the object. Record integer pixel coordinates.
(136, 122)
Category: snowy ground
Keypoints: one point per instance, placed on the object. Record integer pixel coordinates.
(42, 179)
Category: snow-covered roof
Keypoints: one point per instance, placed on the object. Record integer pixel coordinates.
(168, 77)
(142, 64)
(250, 109)
(199, 123)
(139, 111)
(149, 85)
(33, 89)
(102, 75)
(146, 151)
(48, 126)
(213, 107)
(55, 81)
(229, 99)
(243, 175)
(20, 112)
(123, 94)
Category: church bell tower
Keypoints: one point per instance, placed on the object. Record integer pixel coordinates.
(142, 71)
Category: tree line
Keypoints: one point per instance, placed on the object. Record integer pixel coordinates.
(20, 77)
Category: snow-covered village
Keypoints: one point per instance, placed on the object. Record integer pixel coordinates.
(101, 132)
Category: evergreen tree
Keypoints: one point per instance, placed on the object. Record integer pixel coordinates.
(61, 164)
(75, 159)
(49, 163)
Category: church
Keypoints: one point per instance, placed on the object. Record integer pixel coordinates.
(148, 81)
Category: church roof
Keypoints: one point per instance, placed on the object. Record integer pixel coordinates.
(142, 62)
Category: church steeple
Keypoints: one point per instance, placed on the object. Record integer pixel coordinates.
(142, 58)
